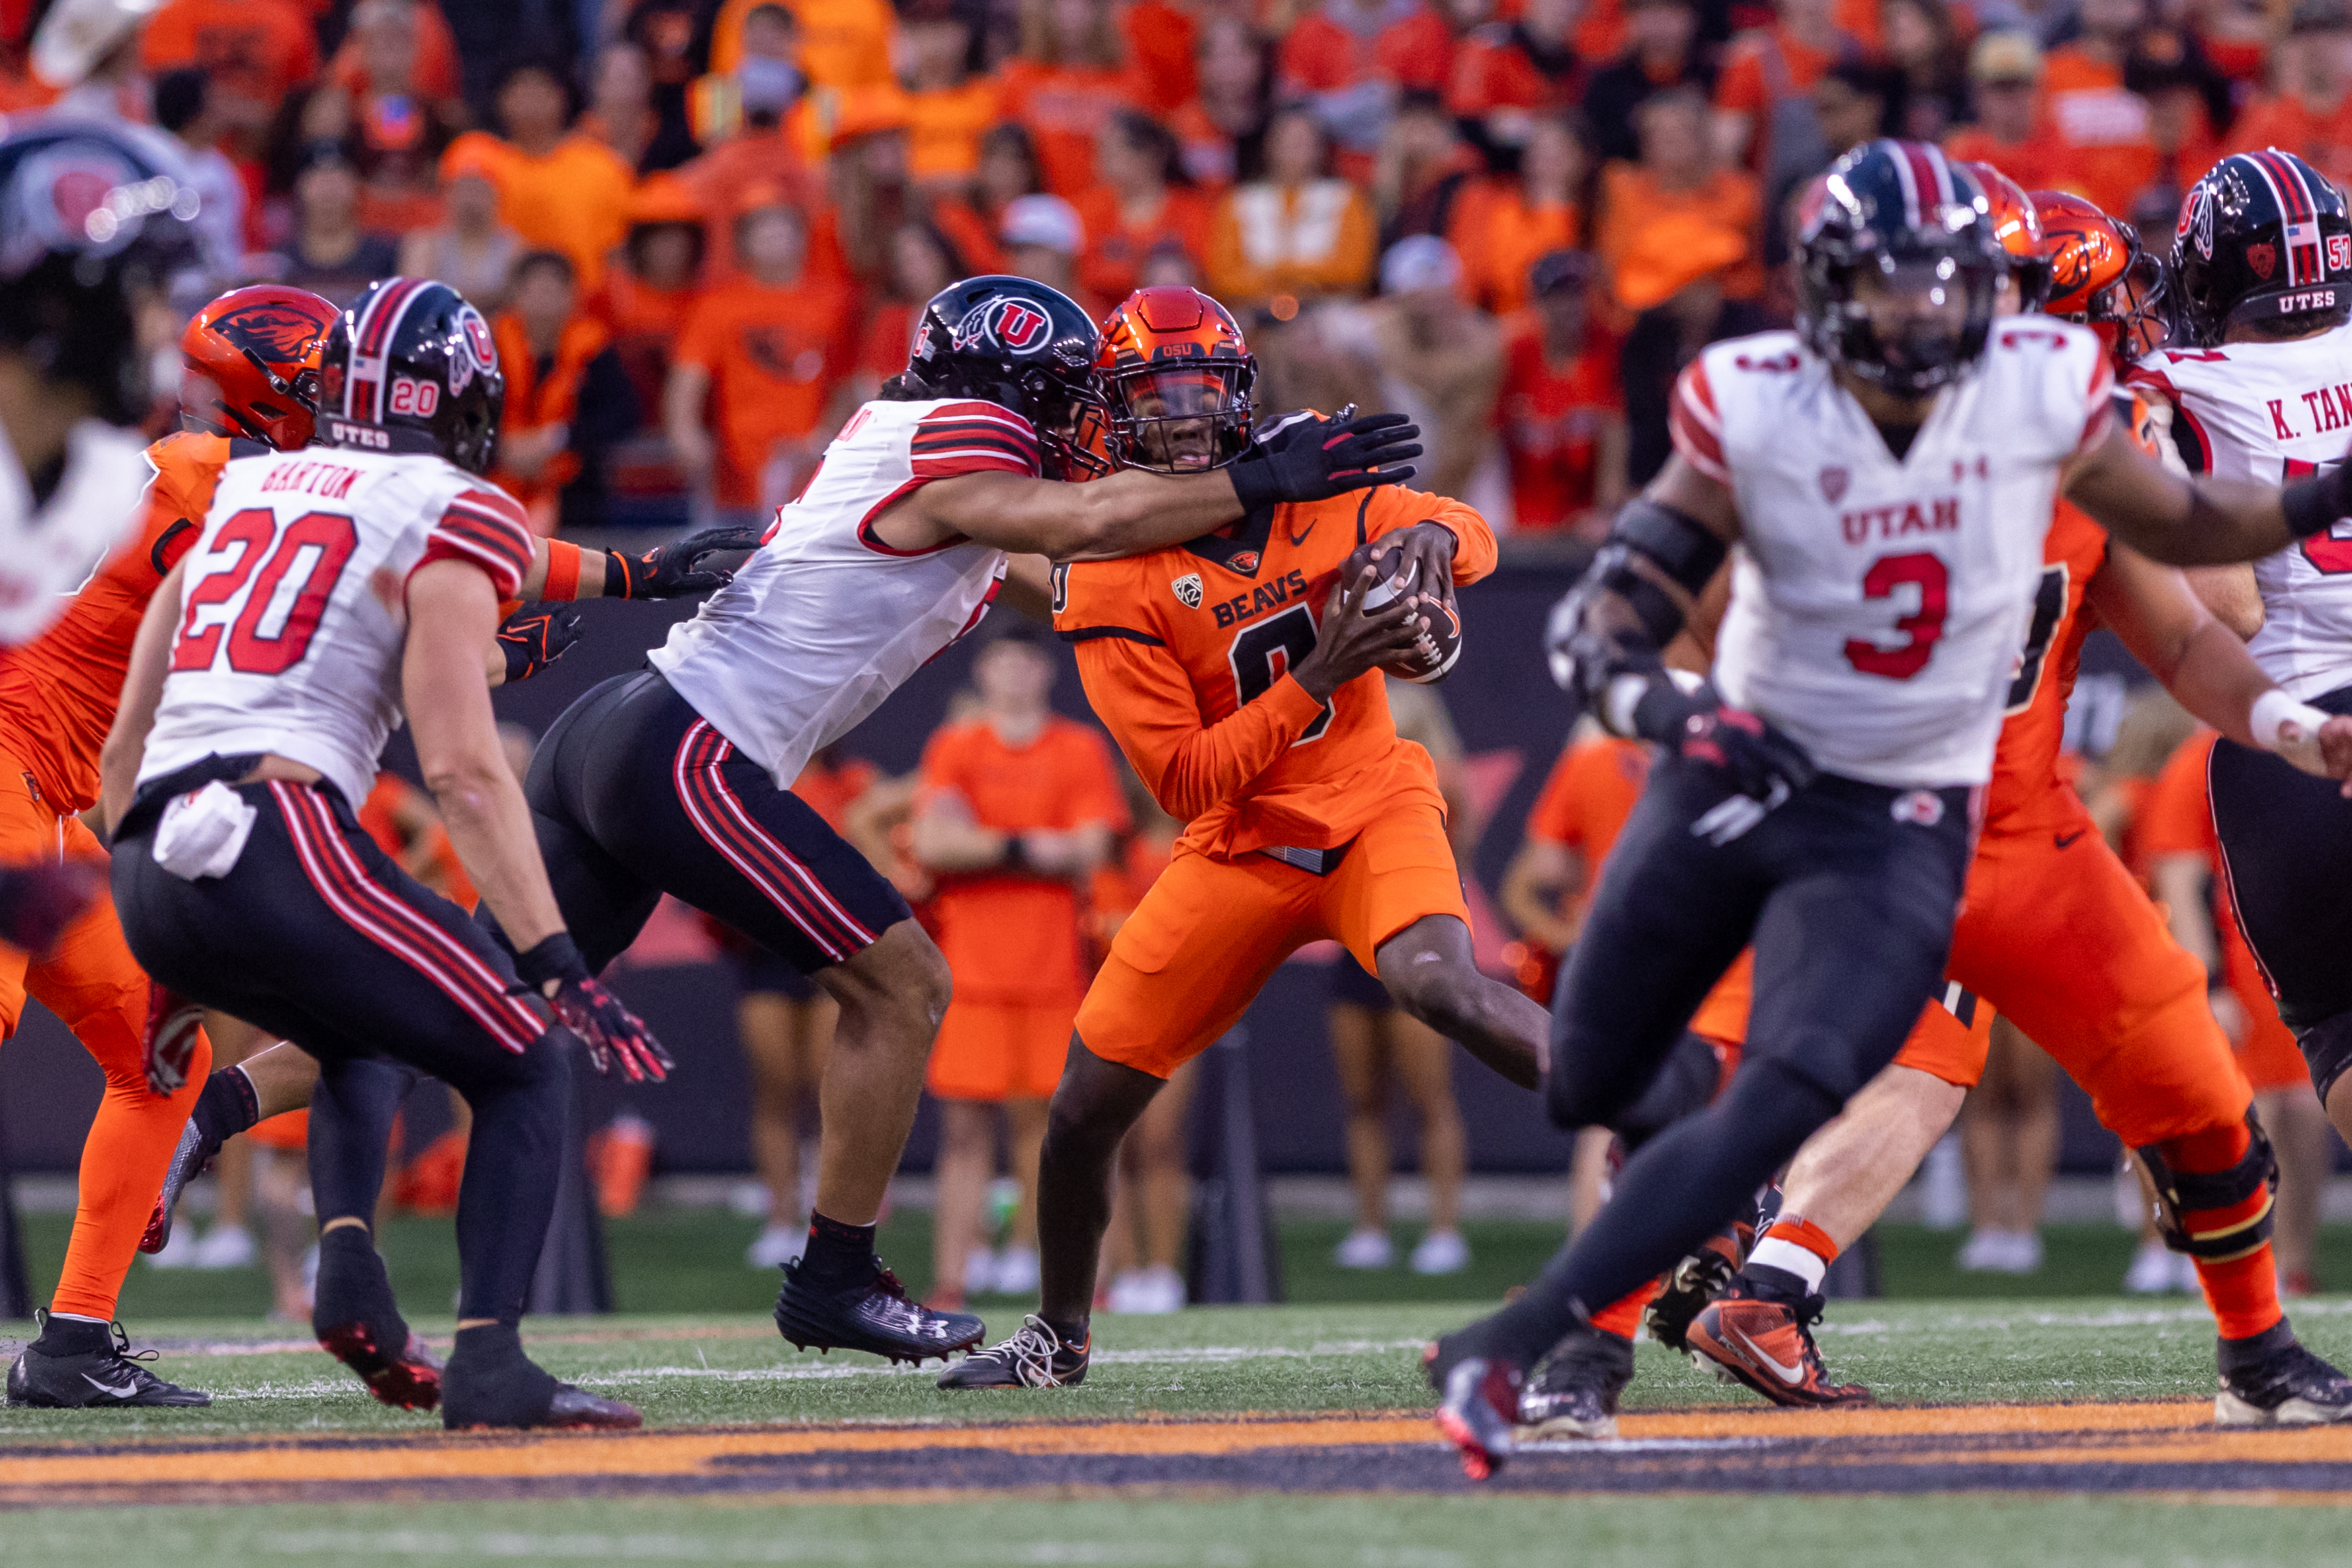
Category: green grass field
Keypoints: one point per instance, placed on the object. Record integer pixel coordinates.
(695, 1350)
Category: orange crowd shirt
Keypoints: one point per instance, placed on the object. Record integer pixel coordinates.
(59, 691)
(1321, 56)
(1065, 108)
(1186, 654)
(773, 357)
(646, 324)
(1116, 250)
(1552, 418)
(830, 787)
(575, 200)
(259, 50)
(845, 44)
(2176, 819)
(1500, 237)
(944, 129)
(1010, 938)
(1585, 801)
(1747, 87)
(2101, 129)
(2287, 123)
(2036, 164)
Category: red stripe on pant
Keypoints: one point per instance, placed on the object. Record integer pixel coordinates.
(453, 969)
(779, 875)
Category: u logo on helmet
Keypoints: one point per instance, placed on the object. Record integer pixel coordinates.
(1012, 326)
(477, 352)
(2197, 222)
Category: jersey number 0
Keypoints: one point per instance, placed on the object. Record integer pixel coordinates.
(293, 571)
(1261, 654)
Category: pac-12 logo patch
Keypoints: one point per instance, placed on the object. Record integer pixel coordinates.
(1188, 590)
(1924, 806)
(1833, 483)
(1014, 326)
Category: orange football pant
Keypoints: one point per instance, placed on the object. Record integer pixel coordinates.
(1209, 933)
(92, 983)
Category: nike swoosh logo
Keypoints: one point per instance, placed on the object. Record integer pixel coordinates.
(1297, 539)
(2064, 840)
(1786, 1372)
(123, 1390)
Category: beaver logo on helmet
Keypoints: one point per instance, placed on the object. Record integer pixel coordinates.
(270, 328)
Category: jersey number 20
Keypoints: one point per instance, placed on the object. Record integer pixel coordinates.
(293, 571)
(1261, 653)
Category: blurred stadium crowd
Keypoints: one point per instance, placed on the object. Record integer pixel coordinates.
(702, 228)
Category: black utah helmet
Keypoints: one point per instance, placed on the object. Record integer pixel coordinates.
(2264, 235)
(92, 223)
(1018, 344)
(1919, 223)
(410, 367)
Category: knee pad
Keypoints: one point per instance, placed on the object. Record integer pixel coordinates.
(2201, 1213)
(1683, 1087)
(2327, 1052)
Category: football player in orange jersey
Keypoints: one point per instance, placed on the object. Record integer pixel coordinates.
(1265, 725)
(2132, 1027)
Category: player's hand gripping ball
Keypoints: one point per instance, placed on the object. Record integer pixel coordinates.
(1432, 657)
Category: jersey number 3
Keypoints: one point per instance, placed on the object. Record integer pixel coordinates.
(1929, 582)
(293, 571)
(1263, 652)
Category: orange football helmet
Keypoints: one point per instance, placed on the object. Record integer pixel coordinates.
(253, 353)
(1176, 376)
(2102, 278)
(2019, 229)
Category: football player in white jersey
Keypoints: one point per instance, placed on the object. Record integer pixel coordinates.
(1887, 473)
(91, 233)
(332, 588)
(2262, 390)
(679, 780)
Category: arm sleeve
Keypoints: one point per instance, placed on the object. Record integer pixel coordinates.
(1140, 691)
(957, 438)
(486, 529)
(1392, 507)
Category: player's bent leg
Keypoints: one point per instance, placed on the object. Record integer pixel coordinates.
(1092, 1110)
(352, 1312)
(233, 1098)
(1429, 969)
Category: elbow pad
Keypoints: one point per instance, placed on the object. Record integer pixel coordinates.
(1586, 660)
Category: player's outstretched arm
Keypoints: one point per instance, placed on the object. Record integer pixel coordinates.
(2202, 521)
(2207, 669)
(560, 570)
(143, 690)
(452, 611)
(1134, 512)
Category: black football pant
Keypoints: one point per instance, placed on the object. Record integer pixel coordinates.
(2286, 849)
(634, 795)
(317, 935)
(1848, 892)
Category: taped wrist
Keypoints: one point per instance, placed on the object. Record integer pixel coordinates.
(617, 576)
(2316, 504)
(2216, 1215)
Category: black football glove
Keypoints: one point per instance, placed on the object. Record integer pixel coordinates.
(670, 571)
(584, 1005)
(534, 637)
(1762, 766)
(1313, 460)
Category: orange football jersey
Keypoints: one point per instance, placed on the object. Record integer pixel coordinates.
(1187, 652)
(59, 691)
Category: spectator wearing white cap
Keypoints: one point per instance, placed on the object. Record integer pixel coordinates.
(1042, 238)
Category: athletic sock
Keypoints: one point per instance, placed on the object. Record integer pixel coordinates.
(228, 1105)
(2242, 1290)
(1623, 1315)
(1795, 1246)
(836, 1254)
(63, 1333)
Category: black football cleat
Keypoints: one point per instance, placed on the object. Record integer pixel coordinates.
(1036, 1357)
(489, 1382)
(1478, 1402)
(872, 1315)
(106, 1374)
(2269, 1379)
(1768, 1345)
(1573, 1391)
(358, 1322)
(188, 1160)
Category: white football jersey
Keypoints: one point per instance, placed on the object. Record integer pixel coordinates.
(825, 620)
(2271, 413)
(47, 551)
(1878, 607)
(293, 606)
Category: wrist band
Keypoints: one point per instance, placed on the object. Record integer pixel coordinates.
(617, 575)
(2273, 709)
(563, 570)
